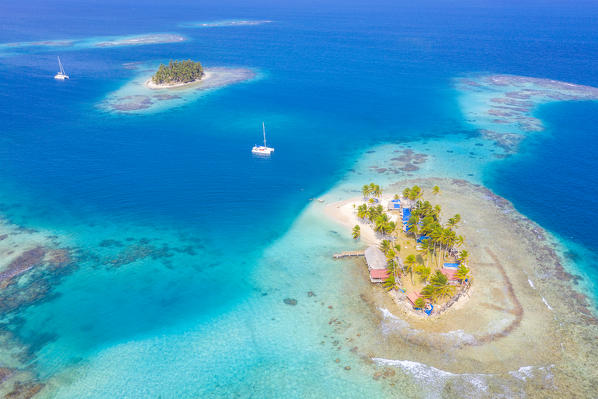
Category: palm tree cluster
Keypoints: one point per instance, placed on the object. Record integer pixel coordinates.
(375, 214)
(178, 72)
(356, 232)
(391, 251)
(414, 193)
(438, 287)
(425, 220)
(371, 189)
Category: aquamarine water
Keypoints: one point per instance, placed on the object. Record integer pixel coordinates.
(187, 245)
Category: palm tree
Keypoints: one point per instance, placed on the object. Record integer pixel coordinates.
(436, 211)
(409, 265)
(396, 197)
(390, 254)
(436, 236)
(439, 287)
(412, 223)
(385, 246)
(420, 303)
(356, 232)
(392, 268)
(426, 249)
(390, 283)
(435, 190)
(406, 192)
(365, 190)
(391, 227)
(372, 188)
(362, 211)
(424, 272)
(397, 247)
(377, 191)
(459, 241)
(415, 193)
(462, 273)
(463, 255)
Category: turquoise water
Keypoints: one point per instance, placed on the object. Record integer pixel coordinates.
(186, 245)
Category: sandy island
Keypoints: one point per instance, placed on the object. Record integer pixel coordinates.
(207, 76)
(142, 95)
(523, 312)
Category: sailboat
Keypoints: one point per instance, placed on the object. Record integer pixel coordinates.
(262, 149)
(61, 75)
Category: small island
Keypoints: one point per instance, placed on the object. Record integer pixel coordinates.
(176, 73)
(412, 240)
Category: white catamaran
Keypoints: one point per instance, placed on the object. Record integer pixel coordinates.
(262, 149)
(61, 75)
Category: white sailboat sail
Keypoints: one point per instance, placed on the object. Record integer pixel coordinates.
(61, 75)
(262, 149)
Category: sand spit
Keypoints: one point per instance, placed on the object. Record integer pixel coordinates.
(506, 324)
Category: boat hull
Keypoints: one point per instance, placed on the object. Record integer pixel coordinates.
(261, 150)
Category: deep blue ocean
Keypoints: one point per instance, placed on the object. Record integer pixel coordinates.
(337, 78)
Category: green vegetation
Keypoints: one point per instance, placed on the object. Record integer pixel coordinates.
(438, 243)
(420, 303)
(178, 72)
(413, 193)
(462, 272)
(424, 272)
(438, 288)
(376, 215)
(356, 232)
(371, 190)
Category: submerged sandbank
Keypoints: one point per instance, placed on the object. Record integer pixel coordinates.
(91, 42)
(523, 310)
(225, 23)
(501, 106)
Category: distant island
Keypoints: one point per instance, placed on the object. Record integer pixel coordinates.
(176, 73)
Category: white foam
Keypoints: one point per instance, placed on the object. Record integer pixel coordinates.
(546, 303)
(473, 385)
(434, 379)
(526, 372)
(531, 284)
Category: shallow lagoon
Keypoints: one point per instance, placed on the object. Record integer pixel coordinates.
(172, 263)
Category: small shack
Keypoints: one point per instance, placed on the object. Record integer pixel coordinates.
(394, 205)
(375, 258)
(378, 275)
(376, 262)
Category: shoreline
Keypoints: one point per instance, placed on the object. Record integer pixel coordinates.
(523, 303)
(140, 95)
(344, 212)
(207, 75)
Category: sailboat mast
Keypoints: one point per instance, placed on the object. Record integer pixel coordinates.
(264, 130)
(60, 65)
